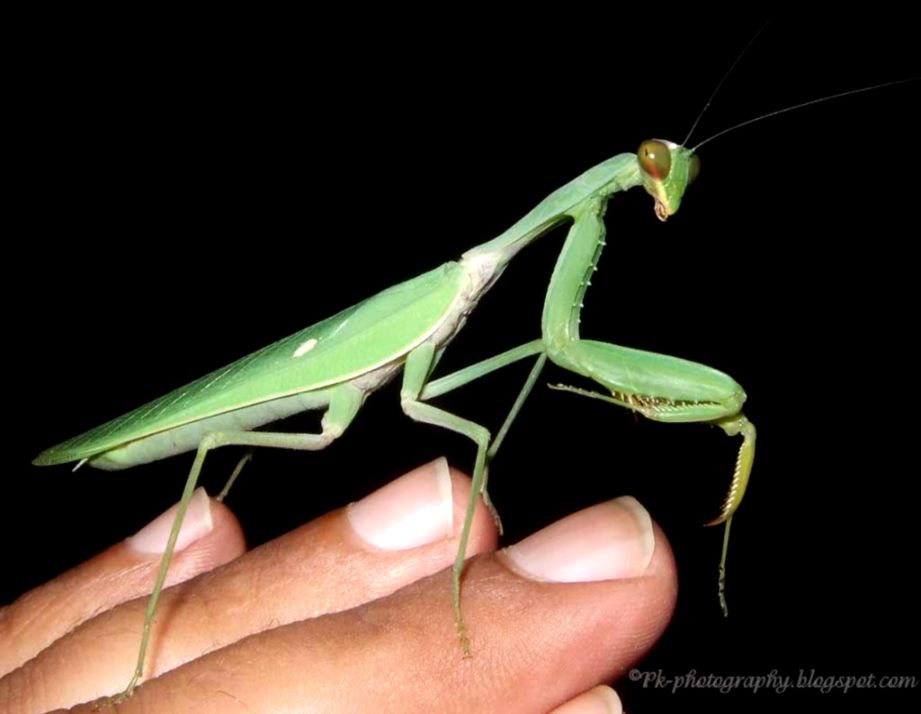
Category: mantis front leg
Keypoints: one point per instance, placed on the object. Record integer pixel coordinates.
(657, 386)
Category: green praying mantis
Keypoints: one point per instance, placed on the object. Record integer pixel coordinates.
(408, 327)
(334, 365)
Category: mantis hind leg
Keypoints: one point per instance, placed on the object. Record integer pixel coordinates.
(245, 459)
(344, 403)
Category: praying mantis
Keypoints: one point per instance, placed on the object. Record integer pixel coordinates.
(613, 267)
(335, 365)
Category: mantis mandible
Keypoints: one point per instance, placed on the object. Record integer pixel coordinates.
(334, 365)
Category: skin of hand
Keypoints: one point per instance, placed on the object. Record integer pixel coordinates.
(351, 613)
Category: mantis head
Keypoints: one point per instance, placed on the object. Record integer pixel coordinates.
(667, 170)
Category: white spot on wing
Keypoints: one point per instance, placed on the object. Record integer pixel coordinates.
(305, 347)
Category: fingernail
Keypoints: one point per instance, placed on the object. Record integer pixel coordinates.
(197, 523)
(605, 542)
(600, 700)
(416, 509)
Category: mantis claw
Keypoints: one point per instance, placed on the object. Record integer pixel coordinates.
(733, 426)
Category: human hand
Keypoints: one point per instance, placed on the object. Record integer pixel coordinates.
(351, 612)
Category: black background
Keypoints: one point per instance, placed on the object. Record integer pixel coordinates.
(189, 196)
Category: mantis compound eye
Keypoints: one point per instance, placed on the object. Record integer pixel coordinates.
(693, 168)
(655, 159)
